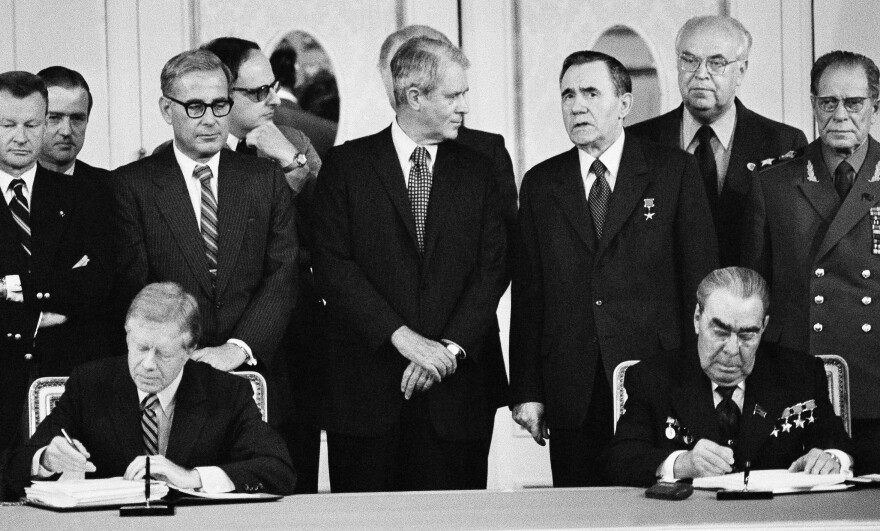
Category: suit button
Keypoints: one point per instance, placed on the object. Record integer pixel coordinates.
(39, 296)
(866, 300)
(28, 356)
(819, 299)
(820, 273)
(599, 302)
(17, 337)
(817, 327)
(9, 335)
(47, 295)
(866, 273)
(594, 340)
(866, 328)
(218, 305)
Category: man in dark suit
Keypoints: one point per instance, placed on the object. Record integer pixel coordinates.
(813, 230)
(409, 255)
(615, 236)
(200, 426)
(705, 413)
(320, 131)
(54, 259)
(219, 223)
(713, 56)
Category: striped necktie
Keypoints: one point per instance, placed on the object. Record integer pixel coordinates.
(600, 192)
(21, 214)
(419, 191)
(209, 217)
(150, 424)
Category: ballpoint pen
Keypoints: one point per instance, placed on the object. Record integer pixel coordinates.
(147, 482)
(746, 475)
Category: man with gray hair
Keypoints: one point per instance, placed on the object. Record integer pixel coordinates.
(728, 139)
(706, 413)
(199, 427)
(409, 255)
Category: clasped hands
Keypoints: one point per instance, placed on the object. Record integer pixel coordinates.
(710, 459)
(60, 456)
(430, 361)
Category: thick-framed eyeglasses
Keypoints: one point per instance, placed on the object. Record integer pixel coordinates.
(715, 65)
(260, 93)
(197, 109)
(830, 103)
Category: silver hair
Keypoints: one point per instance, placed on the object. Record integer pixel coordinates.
(730, 23)
(418, 64)
(167, 303)
(197, 60)
(393, 41)
(743, 282)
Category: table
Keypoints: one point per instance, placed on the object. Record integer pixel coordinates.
(612, 507)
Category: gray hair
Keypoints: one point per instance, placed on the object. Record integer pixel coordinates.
(167, 303)
(393, 41)
(718, 21)
(743, 282)
(191, 61)
(418, 64)
(841, 58)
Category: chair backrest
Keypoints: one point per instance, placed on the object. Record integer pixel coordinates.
(836, 371)
(45, 392)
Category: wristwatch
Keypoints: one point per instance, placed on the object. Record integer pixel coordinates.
(299, 161)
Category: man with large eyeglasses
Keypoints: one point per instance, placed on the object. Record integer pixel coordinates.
(219, 223)
(814, 231)
(712, 123)
(705, 411)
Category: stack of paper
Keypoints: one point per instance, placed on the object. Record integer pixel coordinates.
(92, 492)
(779, 481)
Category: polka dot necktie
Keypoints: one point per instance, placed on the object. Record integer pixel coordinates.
(419, 192)
(600, 193)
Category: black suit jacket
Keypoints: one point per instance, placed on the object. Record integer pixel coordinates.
(674, 386)
(755, 138)
(160, 240)
(320, 131)
(216, 423)
(624, 297)
(369, 270)
(68, 222)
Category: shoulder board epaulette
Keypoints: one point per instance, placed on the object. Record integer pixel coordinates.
(769, 163)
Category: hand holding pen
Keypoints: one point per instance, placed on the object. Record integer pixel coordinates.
(66, 455)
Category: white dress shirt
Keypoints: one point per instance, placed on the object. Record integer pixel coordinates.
(404, 146)
(610, 158)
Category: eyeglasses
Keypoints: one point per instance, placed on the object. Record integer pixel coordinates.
(829, 103)
(715, 65)
(197, 109)
(260, 93)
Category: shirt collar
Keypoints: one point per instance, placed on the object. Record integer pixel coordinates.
(610, 158)
(722, 127)
(833, 158)
(69, 171)
(741, 386)
(405, 146)
(188, 165)
(232, 142)
(166, 396)
(28, 176)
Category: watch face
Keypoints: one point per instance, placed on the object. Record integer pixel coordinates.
(301, 159)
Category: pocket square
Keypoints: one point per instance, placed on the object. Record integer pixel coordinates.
(84, 261)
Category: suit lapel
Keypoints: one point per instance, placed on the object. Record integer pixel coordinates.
(818, 186)
(745, 142)
(568, 188)
(49, 209)
(189, 416)
(631, 182)
(692, 403)
(861, 198)
(763, 394)
(444, 184)
(386, 166)
(173, 202)
(232, 205)
(125, 414)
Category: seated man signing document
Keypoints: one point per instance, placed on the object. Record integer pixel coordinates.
(703, 414)
(200, 425)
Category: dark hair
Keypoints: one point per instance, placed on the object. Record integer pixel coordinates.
(59, 76)
(22, 84)
(283, 61)
(619, 76)
(743, 282)
(842, 58)
(232, 51)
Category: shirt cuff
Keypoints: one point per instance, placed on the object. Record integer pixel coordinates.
(455, 348)
(250, 359)
(666, 471)
(38, 470)
(846, 461)
(214, 480)
(13, 288)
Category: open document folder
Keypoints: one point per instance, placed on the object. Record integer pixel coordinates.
(92, 492)
(779, 481)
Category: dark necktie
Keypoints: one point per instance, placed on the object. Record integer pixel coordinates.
(21, 214)
(243, 147)
(209, 217)
(843, 179)
(419, 191)
(728, 416)
(150, 424)
(600, 193)
(706, 161)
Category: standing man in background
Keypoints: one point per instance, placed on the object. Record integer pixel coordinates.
(712, 123)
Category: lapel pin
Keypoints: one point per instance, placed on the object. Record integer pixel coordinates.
(759, 411)
(649, 204)
(61, 213)
(766, 162)
(811, 173)
(751, 166)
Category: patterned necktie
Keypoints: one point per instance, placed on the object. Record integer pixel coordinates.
(21, 213)
(600, 192)
(209, 217)
(728, 416)
(706, 161)
(150, 424)
(843, 179)
(419, 191)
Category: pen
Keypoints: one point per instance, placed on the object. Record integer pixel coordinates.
(746, 475)
(69, 440)
(147, 482)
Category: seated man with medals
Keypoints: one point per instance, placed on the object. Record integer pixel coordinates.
(705, 413)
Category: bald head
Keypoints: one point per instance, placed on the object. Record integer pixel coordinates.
(393, 43)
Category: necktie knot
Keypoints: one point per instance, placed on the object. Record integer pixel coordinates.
(17, 186)
(705, 134)
(203, 173)
(726, 391)
(598, 169)
(844, 175)
(419, 156)
(149, 402)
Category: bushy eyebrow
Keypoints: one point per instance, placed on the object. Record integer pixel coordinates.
(729, 328)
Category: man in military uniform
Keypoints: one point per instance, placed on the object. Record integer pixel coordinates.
(813, 230)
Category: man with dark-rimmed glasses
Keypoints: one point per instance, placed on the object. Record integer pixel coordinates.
(219, 223)
(727, 138)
